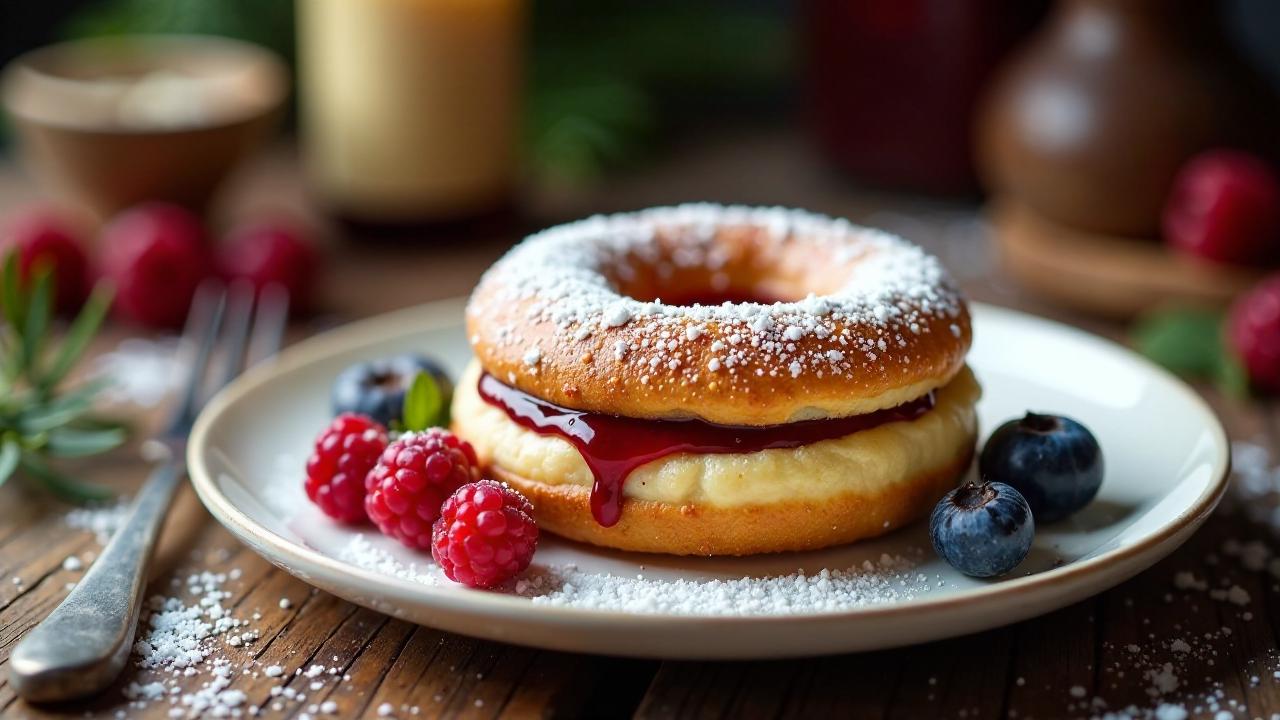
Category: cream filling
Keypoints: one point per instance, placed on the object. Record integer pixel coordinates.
(869, 461)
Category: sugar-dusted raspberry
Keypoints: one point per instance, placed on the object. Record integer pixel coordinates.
(485, 534)
(412, 479)
(344, 454)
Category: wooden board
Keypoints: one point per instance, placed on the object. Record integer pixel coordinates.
(1111, 276)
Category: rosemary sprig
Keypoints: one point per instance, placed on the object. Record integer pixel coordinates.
(40, 420)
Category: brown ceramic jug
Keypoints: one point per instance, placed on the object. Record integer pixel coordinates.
(1088, 124)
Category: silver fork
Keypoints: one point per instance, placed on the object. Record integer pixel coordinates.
(82, 646)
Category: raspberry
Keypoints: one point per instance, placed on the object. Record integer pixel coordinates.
(272, 253)
(344, 454)
(42, 237)
(1225, 206)
(156, 256)
(1253, 330)
(485, 534)
(412, 479)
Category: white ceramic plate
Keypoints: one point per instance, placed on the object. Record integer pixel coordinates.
(1166, 453)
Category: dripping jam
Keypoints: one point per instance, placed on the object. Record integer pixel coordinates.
(613, 446)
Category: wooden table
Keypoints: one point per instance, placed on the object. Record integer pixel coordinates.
(1049, 667)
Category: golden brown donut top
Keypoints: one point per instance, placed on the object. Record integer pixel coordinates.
(823, 318)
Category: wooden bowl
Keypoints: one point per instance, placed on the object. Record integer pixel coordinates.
(1108, 275)
(111, 122)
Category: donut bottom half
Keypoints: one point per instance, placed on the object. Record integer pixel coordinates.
(827, 493)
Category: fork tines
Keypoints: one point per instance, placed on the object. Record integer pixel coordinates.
(221, 321)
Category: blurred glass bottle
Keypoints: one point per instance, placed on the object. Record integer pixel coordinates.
(411, 108)
(892, 84)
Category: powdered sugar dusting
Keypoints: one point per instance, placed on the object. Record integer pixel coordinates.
(889, 579)
(200, 660)
(102, 520)
(567, 278)
(1173, 662)
(140, 371)
(179, 640)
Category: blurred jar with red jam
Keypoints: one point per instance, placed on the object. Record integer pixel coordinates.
(892, 84)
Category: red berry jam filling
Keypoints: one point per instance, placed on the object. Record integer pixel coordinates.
(613, 446)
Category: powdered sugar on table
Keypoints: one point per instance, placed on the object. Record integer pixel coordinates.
(140, 371)
(101, 520)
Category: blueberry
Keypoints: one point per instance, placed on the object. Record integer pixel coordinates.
(1054, 461)
(982, 529)
(376, 388)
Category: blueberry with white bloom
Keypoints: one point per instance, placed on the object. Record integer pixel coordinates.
(982, 529)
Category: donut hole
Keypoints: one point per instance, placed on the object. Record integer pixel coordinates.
(736, 265)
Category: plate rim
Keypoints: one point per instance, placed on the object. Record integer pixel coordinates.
(442, 313)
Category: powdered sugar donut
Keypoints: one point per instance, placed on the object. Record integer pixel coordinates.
(719, 380)
(635, 314)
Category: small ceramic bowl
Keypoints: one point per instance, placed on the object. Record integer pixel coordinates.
(111, 122)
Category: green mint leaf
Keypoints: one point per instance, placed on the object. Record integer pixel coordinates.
(1185, 341)
(1230, 377)
(422, 404)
